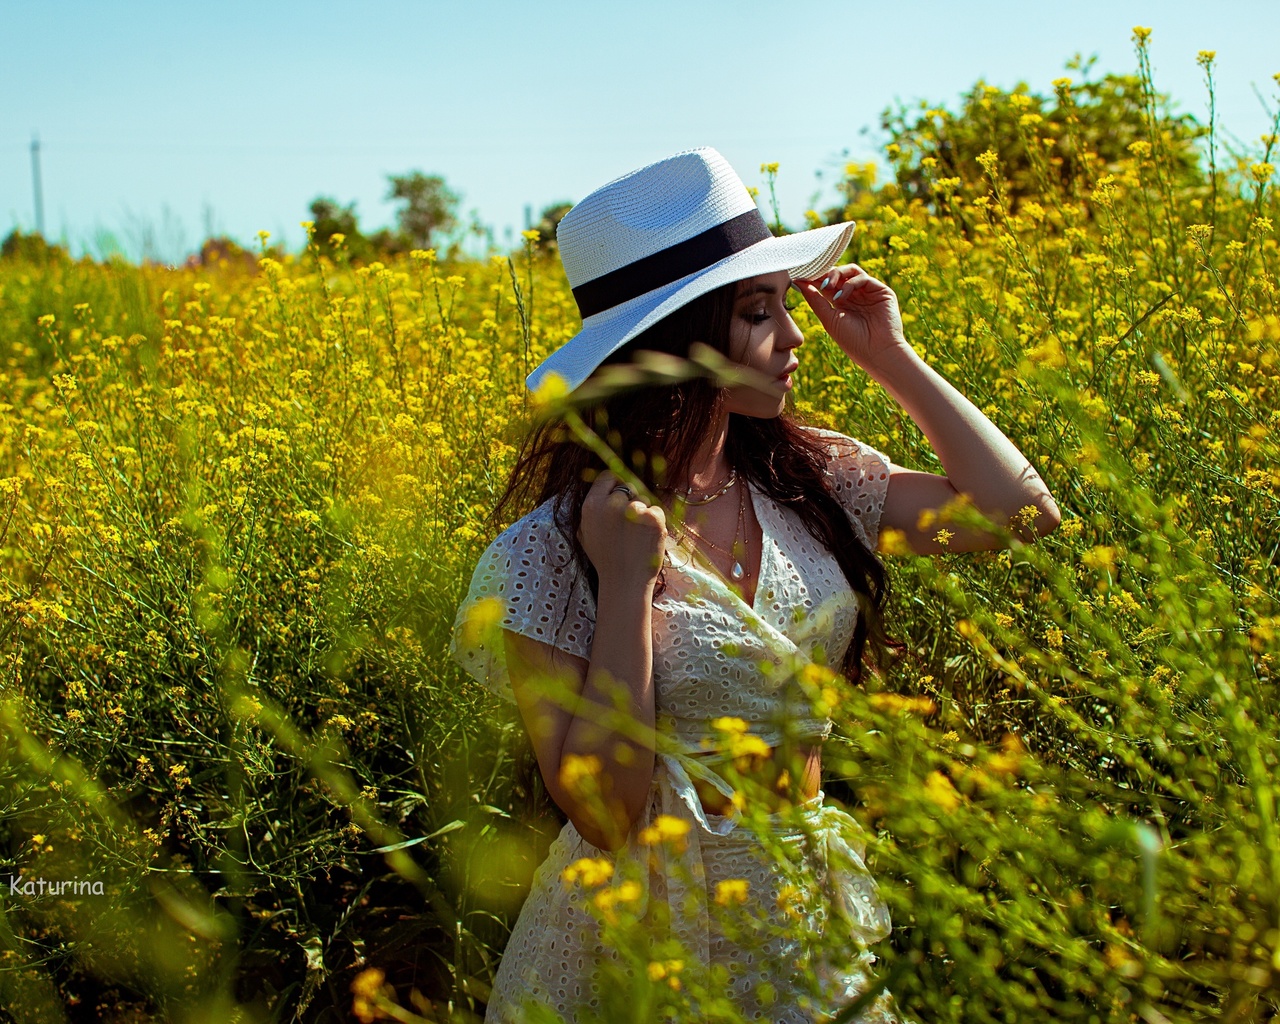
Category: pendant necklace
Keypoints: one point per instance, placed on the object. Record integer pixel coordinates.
(738, 552)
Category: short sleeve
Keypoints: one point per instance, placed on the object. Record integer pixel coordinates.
(859, 478)
(526, 581)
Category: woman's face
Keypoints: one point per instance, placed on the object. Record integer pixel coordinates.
(763, 337)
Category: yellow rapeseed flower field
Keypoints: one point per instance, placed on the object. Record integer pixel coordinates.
(240, 503)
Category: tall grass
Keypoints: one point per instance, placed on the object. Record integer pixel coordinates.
(238, 510)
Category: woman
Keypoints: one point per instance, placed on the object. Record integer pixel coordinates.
(740, 537)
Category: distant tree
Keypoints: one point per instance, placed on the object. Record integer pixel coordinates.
(31, 248)
(332, 219)
(221, 249)
(429, 206)
(386, 242)
(549, 221)
(1093, 123)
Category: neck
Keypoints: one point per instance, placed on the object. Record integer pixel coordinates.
(710, 467)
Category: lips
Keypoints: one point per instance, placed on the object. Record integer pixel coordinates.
(789, 370)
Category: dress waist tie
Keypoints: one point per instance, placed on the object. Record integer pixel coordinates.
(852, 890)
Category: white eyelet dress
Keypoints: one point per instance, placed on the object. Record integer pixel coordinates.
(709, 647)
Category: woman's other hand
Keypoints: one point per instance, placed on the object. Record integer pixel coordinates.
(859, 312)
(624, 538)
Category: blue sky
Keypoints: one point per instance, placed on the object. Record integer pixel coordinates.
(172, 120)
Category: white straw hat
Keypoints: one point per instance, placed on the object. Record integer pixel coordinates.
(654, 240)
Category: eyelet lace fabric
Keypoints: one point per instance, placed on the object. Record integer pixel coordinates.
(710, 649)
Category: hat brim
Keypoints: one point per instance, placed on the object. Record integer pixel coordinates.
(804, 255)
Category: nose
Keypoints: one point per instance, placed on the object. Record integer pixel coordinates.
(792, 336)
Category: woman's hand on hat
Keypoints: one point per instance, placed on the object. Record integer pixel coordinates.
(859, 312)
(624, 538)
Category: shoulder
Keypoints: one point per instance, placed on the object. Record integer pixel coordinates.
(527, 582)
(858, 476)
(536, 539)
(843, 449)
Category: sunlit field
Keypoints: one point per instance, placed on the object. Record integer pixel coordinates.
(240, 504)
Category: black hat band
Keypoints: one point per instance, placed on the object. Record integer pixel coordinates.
(671, 264)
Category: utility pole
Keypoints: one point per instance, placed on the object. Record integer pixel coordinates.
(35, 183)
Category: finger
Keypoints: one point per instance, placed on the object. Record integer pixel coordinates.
(818, 302)
(853, 279)
(830, 281)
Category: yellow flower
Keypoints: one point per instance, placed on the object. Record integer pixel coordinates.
(1100, 557)
(1026, 516)
(553, 388)
(665, 828)
(532, 235)
(606, 899)
(899, 702)
(65, 384)
(483, 616)
(1141, 34)
(659, 969)
(943, 537)
(575, 769)
(815, 675)
(894, 542)
(368, 983)
(938, 788)
(367, 987)
(748, 745)
(731, 890)
(729, 724)
(790, 901)
(590, 871)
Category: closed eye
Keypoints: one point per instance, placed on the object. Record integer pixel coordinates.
(760, 315)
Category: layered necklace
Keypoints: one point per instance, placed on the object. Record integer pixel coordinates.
(738, 548)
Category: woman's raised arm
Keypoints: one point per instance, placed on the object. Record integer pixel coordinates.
(861, 315)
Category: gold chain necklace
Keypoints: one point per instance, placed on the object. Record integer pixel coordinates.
(738, 553)
(710, 498)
